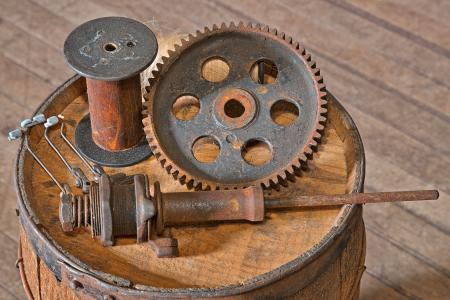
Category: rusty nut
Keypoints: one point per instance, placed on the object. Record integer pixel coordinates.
(66, 212)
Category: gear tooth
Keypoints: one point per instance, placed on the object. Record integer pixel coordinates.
(323, 102)
(197, 33)
(283, 181)
(301, 50)
(177, 47)
(290, 176)
(289, 39)
(168, 168)
(170, 52)
(312, 64)
(223, 25)
(282, 35)
(184, 41)
(148, 89)
(323, 110)
(207, 30)
(266, 28)
(190, 37)
(274, 185)
(289, 170)
(302, 158)
(319, 78)
(322, 94)
(308, 151)
(317, 135)
(175, 174)
(198, 188)
(163, 162)
(307, 57)
(155, 73)
(273, 31)
(250, 25)
(144, 112)
(182, 179)
(298, 171)
(164, 59)
(321, 86)
(232, 25)
(190, 184)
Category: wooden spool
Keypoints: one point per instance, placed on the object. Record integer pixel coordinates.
(308, 253)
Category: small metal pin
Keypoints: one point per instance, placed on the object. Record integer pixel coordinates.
(15, 134)
(37, 119)
(81, 181)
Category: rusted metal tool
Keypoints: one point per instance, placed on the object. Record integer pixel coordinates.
(122, 205)
(111, 52)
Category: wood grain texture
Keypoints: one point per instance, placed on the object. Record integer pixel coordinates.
(392, 81)
(115, 110)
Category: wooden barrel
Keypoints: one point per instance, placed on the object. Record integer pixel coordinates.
(308, 253)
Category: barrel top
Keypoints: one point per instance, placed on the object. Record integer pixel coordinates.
(110, 48)
(226, 258)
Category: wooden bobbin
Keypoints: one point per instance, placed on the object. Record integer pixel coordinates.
(110, 53)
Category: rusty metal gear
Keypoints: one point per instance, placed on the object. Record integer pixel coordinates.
(235, 80)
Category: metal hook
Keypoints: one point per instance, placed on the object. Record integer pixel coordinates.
(81, 181)
(36, 158)
(96, 170)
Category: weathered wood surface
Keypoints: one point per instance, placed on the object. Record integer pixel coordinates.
(387, 60)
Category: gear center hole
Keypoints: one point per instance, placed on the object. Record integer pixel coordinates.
(234, 108)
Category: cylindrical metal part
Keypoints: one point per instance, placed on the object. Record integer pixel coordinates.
(212, 206)
(357, 198)
(115, 108)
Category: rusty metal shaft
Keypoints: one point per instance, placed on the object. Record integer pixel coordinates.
(213, 206)
(357, 198)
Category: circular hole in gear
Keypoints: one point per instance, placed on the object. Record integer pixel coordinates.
(215, 69)
(186, 107)
(233, 108)
(284, 112)
(206, 149)
(110, 47)
(256, 152)
(264, 71)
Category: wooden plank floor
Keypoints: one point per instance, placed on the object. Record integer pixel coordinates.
(388, 61)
